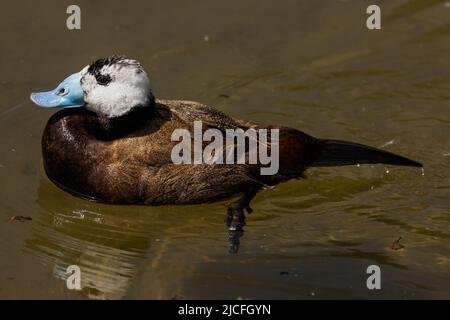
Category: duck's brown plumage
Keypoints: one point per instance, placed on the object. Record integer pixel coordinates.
(128, 159)
(137, 167)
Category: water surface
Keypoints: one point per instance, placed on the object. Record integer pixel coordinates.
(312, 65)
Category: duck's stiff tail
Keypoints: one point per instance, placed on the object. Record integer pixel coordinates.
(344, 153)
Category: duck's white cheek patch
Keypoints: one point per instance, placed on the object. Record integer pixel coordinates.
(115, 99)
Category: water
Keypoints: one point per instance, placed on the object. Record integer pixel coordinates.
(311, 65)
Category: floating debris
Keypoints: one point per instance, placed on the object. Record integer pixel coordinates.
(284, 273)
(388, 143)
(387, 171)
(178, 296)
(423, 171)
(396, 245)
(20, 218)
(206, 38)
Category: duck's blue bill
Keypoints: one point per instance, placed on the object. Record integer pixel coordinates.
(68, 94)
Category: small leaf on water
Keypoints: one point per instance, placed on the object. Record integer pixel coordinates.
(178, 296)
(395, 245)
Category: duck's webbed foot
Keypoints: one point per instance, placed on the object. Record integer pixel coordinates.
(236, 219)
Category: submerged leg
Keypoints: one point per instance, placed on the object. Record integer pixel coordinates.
(236, 218)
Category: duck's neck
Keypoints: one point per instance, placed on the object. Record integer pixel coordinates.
(106, 128)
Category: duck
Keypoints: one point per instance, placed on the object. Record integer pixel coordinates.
(111, 142)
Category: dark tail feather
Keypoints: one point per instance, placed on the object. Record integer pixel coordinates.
(343, 153)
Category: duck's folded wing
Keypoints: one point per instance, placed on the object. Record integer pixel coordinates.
(190, 111)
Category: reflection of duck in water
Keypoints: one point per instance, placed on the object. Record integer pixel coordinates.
(117, 148)
(121, 251)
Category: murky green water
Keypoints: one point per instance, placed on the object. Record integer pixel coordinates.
(312, 65)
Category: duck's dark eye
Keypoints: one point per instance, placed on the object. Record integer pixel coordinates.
(103, 79)
(61, 92)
